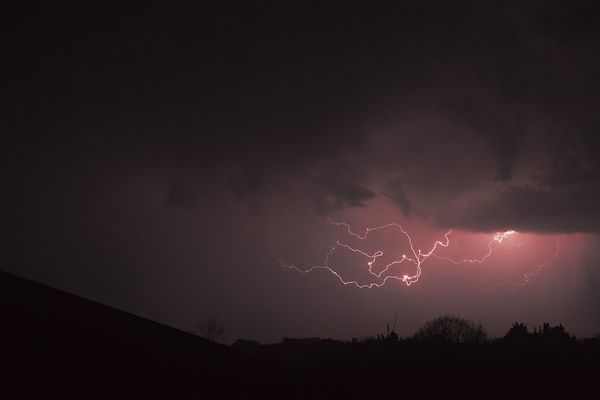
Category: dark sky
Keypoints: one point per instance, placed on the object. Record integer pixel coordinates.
(162, 159)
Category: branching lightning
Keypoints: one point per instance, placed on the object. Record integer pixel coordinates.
(498, 238)
(416, 257)
(528, 275)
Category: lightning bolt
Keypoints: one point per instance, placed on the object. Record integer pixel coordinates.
(417, 257)
(497, 239)
(528, 275)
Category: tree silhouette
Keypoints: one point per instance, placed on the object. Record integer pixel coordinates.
(211, 329)
(554, 334)
(452, 329)
(518, 330)
(519, 334)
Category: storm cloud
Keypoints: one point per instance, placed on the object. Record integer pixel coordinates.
(178, 150)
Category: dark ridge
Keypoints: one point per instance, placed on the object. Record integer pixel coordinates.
(59, 343)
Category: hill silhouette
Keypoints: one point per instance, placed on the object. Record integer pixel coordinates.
(55, 343)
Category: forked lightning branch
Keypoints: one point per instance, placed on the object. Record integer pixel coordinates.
(415, 258)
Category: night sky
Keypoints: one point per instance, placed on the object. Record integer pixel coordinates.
(163, 159)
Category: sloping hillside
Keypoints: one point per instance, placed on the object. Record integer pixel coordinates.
(52, 341)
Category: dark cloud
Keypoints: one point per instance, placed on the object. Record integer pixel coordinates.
(337, 188)
(529, 210)
(502, 141)
(398, 195)
(182, 194)
(464, 114)
(563, 197)
(263, 107)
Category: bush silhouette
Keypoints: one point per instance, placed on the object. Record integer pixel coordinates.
(453, 330)
(553, 334)
(518, 333)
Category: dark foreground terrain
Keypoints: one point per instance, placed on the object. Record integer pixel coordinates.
(54, 343)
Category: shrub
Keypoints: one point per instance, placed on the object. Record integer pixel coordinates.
(453, 330)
